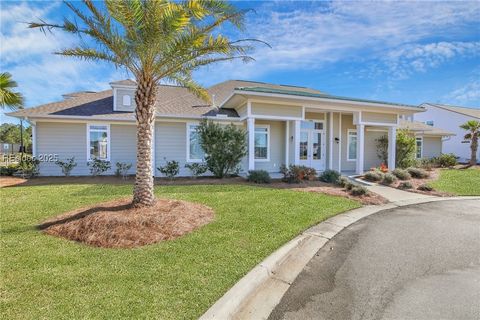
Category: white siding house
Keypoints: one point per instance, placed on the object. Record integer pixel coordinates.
(450, 118)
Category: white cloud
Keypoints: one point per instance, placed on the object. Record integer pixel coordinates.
(466, 94)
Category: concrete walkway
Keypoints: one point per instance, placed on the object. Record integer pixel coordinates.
(396, 195)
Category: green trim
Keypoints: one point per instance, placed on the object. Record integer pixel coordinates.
(318, 95)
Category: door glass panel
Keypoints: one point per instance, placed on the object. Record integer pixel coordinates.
(317, 145)
(303, 145)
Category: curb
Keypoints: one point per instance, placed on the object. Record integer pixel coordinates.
(259, 291)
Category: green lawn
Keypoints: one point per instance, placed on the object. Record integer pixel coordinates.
(46, 277)
(462, 182)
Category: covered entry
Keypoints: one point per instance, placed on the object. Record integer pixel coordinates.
(312, 144)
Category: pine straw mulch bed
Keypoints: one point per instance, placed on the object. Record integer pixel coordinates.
(116, 224)
(330, 189)
(434, 174)
(8, 181)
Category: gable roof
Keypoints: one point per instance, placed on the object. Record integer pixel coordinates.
(471, 112)
(416, 126)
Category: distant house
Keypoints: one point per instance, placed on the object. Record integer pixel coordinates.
(284, 125)
(450, 118)
(8, 148)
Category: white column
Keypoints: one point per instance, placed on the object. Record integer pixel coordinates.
(287, 141)
(296, 141)
(392, 146)
(154, 167)
(34, 139)
(330, 138)
(360, 147)
(251, 143)
(340, 142)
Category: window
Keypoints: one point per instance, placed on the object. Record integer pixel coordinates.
(352, 145)
(262, 143)
(316, 125)
(429, 122)
(419, 149)
(98, 142)
(127, 100)
(195, 152)
(6, 146)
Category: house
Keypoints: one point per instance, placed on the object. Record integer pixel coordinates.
(9, 148)
(285, 125)
(450, 118)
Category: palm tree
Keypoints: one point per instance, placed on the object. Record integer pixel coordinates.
(8, 98)
(155, 41)
(473, 126)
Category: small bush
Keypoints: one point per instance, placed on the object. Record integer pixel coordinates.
(122, 169)
(8, 170)
(402, 174)
(388, 179)
(170, 169)
(349, 186)
(295, 174)
(358, 191)
(330, 176)
(405, 185)
(97, 166)
(418, 173)
(67, 165)
(426, 164)
(373, 176)
(197, 169)
(446, 160)
(29, 167)
(343, 181)
(258, 176)
(425, 187)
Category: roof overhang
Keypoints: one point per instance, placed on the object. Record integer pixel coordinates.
(239, 97)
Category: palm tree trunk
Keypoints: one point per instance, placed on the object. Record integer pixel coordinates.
(474, 148)
(145, 112)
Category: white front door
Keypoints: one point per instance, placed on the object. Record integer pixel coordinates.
(312, 145)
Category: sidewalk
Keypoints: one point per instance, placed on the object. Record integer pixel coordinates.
(395, 195)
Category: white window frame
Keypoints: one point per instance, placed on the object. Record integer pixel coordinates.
(127, 103)
(264, 126)
(108, 139)
(349, 131)
(421, 147)
(188, 143)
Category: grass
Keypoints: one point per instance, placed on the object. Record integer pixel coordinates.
(462, 182)
(47, 277)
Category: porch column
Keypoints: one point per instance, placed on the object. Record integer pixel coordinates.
(34, 139)
(296, 141)
(360, 148)
(251, 143)
(392, 146)
(154, 167)
(330, 141)
(287, 141)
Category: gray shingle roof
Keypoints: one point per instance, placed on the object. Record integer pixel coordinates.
(417, 126)
(471, 112)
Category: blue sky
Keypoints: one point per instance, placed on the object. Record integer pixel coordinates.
(407, 52)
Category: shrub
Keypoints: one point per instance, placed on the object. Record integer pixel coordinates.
(67, 165)
(406, 149)
(29, 167)
(8, 170)
(373, 176)
(446, 160)
(425, 187)
(426, 163)
(349, 186)
(170, 169)
(402, 174)
(330, 176)
(224, 147)
(122, 169)
(295, 174)
(418, 173)
(97, 166)
(358, 191)
(343, 181)
(197, 169)
(388, 179)
(405, 185)
(258, 176)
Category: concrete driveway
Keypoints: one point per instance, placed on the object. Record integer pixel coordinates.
(415, 262)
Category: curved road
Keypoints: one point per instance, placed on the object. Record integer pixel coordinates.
(416, 262)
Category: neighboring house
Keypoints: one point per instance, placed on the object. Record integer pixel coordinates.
(9, 148)
(285, 125)
(450, 118)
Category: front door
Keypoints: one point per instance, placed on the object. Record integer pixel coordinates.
(312, 145)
